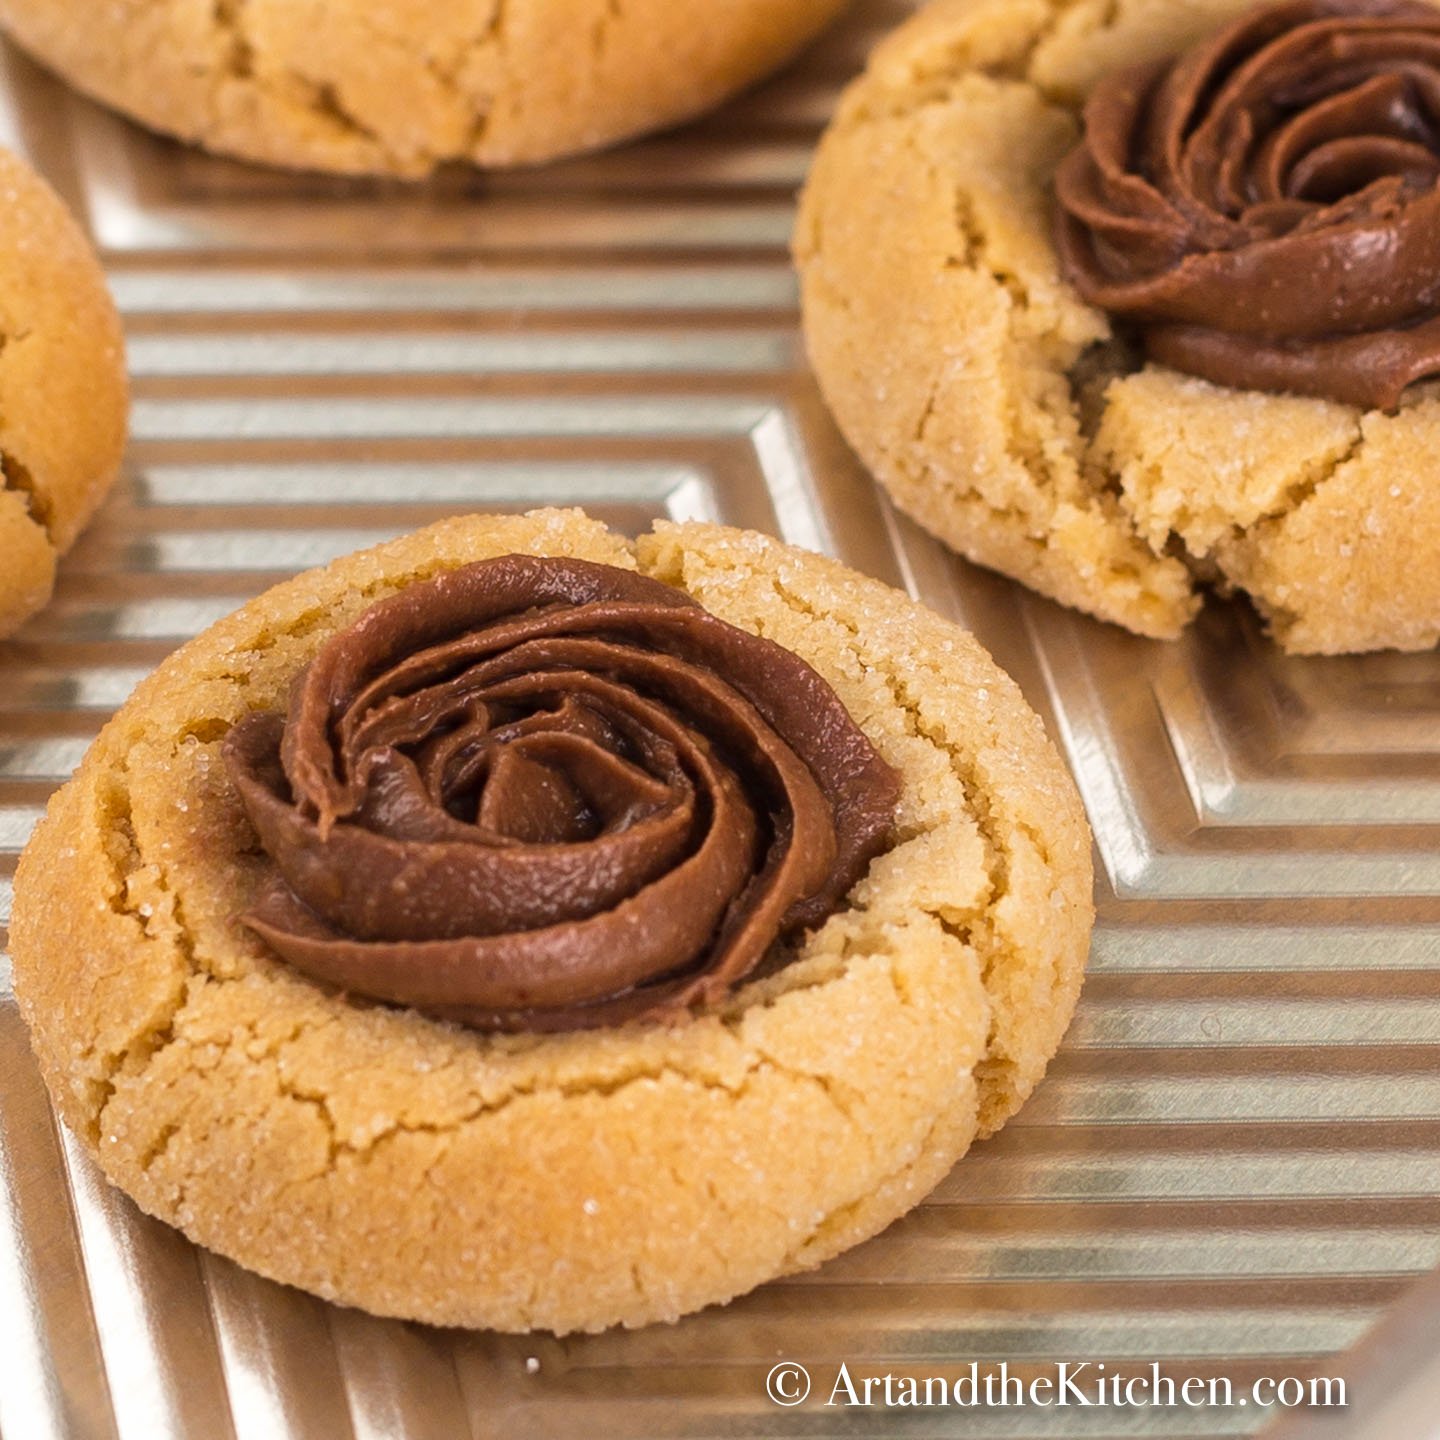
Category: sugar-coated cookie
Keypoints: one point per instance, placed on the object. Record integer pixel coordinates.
(393, 87)
(505, 1177)
(63, 393)
(1025, 427)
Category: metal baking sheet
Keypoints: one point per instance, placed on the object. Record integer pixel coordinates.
(1233, 1167)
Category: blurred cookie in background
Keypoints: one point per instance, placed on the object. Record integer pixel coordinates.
(395, 87)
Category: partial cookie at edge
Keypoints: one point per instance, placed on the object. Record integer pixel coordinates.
(950, 352)
(398, 88)
(63, 389)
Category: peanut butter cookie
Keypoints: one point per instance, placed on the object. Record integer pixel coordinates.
(62, 389)
(560, 1176)
(1024, 426)
(393, 87)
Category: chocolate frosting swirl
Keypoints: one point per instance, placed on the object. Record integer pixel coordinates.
(548, 794)
(1266, 208)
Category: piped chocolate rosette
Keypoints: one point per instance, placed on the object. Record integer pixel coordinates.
(546, 794)
(1266, 209)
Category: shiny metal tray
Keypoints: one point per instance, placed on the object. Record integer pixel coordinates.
(1234, 1165)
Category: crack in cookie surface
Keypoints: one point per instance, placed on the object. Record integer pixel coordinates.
(971, 327)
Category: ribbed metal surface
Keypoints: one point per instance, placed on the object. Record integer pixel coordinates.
(1235, 1162)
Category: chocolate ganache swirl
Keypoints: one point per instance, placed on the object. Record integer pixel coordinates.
(1266, 208)
(547, 794)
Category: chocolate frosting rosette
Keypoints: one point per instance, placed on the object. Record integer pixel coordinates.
(548, 794)
(1265, 209)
